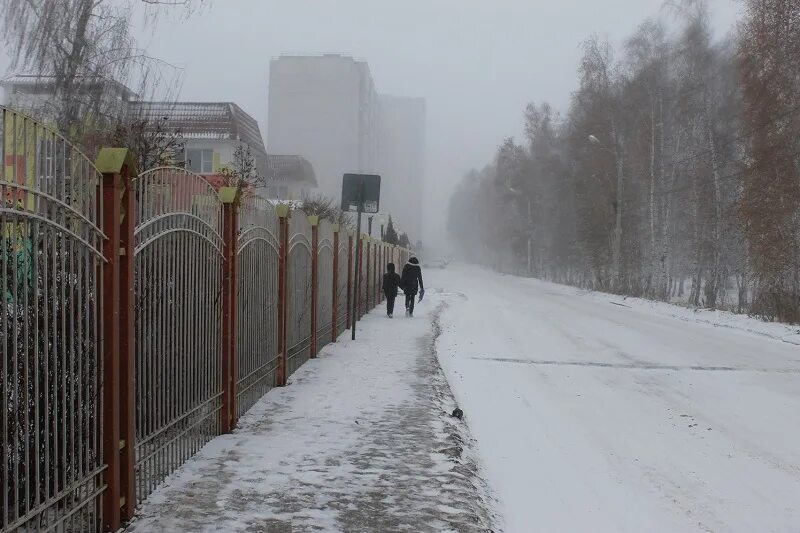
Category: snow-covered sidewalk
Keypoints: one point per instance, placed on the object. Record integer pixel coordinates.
(359, 441)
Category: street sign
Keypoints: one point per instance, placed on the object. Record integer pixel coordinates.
(360, 193)
(363, 189)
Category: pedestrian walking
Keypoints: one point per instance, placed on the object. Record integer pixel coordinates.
(411, 283)
(391, 282)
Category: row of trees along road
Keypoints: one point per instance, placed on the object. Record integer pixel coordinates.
(675, 174)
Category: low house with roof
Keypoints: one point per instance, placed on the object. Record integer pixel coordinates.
(289, 177)
(34, 95)
(211, 132)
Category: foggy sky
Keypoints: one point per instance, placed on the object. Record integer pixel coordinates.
(476, 62)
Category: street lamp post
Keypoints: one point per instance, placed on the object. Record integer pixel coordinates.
(381, 221)
(527, 227)
(616, 241)
(369, 225)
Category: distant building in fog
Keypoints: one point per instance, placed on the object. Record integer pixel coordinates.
(402, 162)
(324, 108)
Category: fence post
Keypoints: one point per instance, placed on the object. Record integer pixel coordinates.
(335, 297)
(283, 213)
(364, 277)
(375, 264)
(127, 356)
(115, 164)
(227, 196)
(234, 323)
(382, 269)
(349, 278)
(370, 273)
(314, 221)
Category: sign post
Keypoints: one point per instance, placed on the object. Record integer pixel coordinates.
(360, 193)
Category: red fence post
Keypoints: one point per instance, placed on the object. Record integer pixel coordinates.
(234, 322)
(314, 221)
(111, 162)
(366, 278)
(335, 297)
(370, 274)
(127, 354)
(349, 278)
(375, 265)
(227, 196)
(283, 260)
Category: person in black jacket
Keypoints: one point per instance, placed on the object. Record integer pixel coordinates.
(391, 281)
(411, 283)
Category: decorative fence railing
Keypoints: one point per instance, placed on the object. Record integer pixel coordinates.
(53, 266)
(141, 316)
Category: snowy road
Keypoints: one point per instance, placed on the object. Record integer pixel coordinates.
(594, 414)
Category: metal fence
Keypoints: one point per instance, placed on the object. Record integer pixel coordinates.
(299, 293)
(142, 315)
(51, 266)
(259, 253)
(344, 281)
(178, 286)
(325, 278)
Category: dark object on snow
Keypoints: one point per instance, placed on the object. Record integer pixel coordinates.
(411, 283)
(457, 413)
(391, 282)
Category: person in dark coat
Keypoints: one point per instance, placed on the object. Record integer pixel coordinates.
(411, 283)
(391, 282)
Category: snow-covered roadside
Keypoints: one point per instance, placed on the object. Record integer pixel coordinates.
(359, 441)
(726, 319)
(594, 413)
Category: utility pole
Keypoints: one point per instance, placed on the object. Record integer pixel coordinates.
(530, 229)
(357, 270)
(616, 238)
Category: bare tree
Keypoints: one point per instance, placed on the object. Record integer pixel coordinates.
(242, 173)
(769, 52)
(153, 142)
(675, 173)
(84, 52)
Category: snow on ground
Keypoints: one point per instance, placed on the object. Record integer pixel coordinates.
(594, 413)
(359, 441)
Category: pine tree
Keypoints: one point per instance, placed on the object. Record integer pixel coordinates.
(403, 241)
(390, 235)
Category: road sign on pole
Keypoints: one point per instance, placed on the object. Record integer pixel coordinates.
(360, 193)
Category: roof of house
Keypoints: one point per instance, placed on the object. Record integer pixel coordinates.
(206, 120)
(290, 168)
(37, 80)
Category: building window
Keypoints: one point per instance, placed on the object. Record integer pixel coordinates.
(200, 161)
